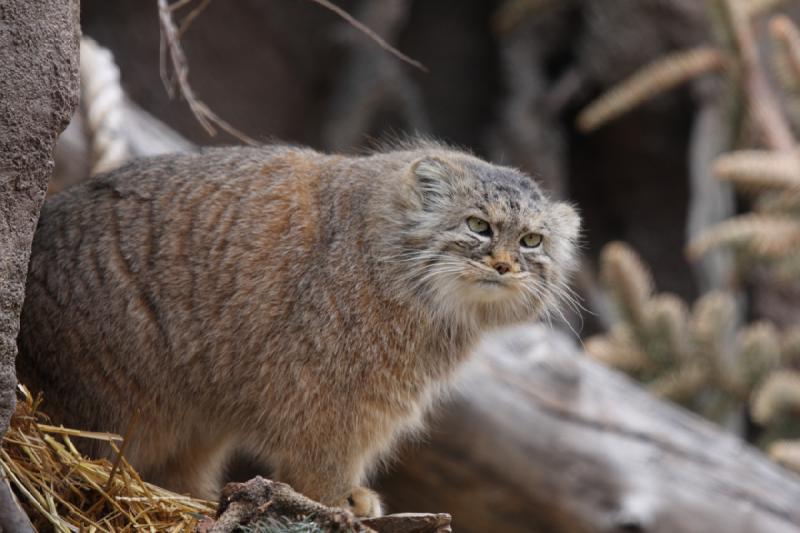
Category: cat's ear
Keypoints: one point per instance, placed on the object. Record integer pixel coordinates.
(565, 220)
(431, 180)
(565, 223)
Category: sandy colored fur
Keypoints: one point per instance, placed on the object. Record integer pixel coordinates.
(246, 298)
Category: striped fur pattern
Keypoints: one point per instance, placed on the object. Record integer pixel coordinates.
(302, 307)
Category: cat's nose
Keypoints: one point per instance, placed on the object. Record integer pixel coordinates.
(502, 267)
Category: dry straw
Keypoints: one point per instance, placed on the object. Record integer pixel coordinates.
(62, 490)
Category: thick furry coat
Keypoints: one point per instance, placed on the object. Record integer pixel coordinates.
(303, 307)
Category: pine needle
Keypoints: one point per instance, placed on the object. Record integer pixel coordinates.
(790, 347)
(624, 272)
(681, 383)
(778, 202)
(756, 170)
(778, 394)
(785, 32)
(786, 453)
(610, 352)
(712, 325)
(759, 354)
(763, 106)
(768, 236)
(652, 80)
(666, 319)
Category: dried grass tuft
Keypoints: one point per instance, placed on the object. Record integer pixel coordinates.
(62, 490)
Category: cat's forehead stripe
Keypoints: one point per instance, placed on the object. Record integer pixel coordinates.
(500, 183)
(503, 201)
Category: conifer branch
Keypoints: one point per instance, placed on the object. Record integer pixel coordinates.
(763, 106)
(756, 170)
(786, 453)
(629, 278)
(615, 354)
(754, 8)
(769, 236)
(650, 81)
(778, 394)
(786, 34)
(759, 354)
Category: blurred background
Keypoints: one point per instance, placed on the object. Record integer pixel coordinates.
(505, 79)
(670, 124)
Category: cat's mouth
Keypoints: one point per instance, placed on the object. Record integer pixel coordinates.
(487, 289)
(488, 278)
(491, 282)
(479, 283)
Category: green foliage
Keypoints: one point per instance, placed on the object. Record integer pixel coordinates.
(700, 357)
(697, 357)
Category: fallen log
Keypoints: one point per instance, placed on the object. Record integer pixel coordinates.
(541, 439)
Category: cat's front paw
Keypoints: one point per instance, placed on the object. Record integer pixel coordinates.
(364, 503)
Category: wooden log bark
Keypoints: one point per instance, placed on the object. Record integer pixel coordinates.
(541, 439)
(262, 501)
(38, 93)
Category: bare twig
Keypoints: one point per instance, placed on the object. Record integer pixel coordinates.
(764, 107)
(511, 13)
(171, 48)
(179, 4)
(172, 54)
(121, 451)
(371, 34)
(188, 19)
(410, 523)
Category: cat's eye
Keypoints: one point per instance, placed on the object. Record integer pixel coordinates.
(531, 240)
(479, 226)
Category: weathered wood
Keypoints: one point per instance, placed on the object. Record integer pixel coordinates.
(541, 439)
(257, 500)
(410, 523)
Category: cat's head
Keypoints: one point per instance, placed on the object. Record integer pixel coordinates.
(482, 241)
